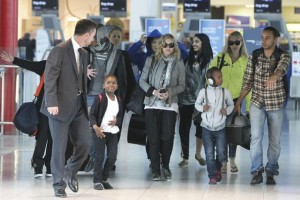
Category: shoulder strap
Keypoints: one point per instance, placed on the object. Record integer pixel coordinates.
(255, 55)
(278, 54)
(206, 98)
(100, 97)
(221, 61)
(223, 98)
(39, 88)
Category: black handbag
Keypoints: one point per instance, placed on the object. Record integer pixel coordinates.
(196, 116)
(136, 101)
(137, 130)
(27, 118)
(238, 130)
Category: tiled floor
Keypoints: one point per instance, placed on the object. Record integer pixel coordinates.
(132, 178)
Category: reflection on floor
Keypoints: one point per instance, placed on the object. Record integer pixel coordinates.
(132, 178)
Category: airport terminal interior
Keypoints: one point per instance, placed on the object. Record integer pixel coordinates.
(132, 178)
(53, 21)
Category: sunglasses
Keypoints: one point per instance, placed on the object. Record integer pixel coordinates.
(237, 42)
(171, 45)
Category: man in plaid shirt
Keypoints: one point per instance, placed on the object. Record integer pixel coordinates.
(265, 79)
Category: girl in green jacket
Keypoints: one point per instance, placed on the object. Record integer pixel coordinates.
(233, 66)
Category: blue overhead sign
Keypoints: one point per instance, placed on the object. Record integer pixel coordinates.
(215, 30)
(162, 25)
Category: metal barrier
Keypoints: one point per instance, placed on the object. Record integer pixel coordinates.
(2, 76)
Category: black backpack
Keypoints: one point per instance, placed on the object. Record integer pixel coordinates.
(277, 54)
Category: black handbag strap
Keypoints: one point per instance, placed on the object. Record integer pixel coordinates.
(221, 61)
(233, 118)
(223, 98)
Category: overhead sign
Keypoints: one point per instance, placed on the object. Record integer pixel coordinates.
(162, 25)
(215, 30)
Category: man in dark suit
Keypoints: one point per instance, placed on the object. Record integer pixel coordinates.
(65, 104)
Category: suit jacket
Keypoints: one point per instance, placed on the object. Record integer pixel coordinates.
(61, 81)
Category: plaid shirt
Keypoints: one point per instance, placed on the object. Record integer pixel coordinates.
(255, 78)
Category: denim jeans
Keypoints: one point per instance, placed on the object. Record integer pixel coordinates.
(258, 117)
(214, 140)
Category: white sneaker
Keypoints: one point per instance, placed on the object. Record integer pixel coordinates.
(38, 175)
(183, 163)
(224, 167)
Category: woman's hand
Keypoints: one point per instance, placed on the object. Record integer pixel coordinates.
(164, 94)
(161, 94)
(143, 38)
(91, 72)
(6, 57)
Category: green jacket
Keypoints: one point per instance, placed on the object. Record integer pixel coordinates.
(233, 74)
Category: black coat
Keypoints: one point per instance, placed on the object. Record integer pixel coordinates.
(36, 67)
(98, 110)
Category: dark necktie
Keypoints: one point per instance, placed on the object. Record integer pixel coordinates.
(80, 69)
(79, 64)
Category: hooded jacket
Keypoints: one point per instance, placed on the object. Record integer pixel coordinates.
(213, 120)
(137, 55)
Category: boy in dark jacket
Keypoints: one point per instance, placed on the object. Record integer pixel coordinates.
(106, 120)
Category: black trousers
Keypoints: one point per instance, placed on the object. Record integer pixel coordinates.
(185, 124)
(43, 146)
(111, 143)
(160, 128)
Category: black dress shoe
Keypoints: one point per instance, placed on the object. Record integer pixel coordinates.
(106, 185)
(59, 189)
(72, 180)
(60, 193)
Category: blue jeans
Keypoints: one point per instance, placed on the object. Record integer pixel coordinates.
(214, 140)
(258, 117)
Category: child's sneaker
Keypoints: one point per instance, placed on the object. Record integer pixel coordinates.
(212, 181)
(98, 186)
(38, 172)
(218, 176)
(155, 176)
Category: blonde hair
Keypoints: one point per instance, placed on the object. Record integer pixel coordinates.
(115, 22)
(162, 42)
(243, 49)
